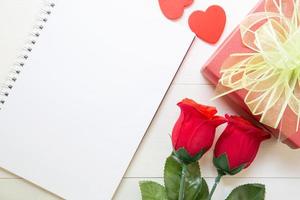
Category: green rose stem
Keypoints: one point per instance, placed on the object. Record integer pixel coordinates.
(217, 181)
(182, 182)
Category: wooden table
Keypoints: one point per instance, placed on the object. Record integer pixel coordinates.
(276, 165)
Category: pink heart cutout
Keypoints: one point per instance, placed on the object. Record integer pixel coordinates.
(208, 25)
(173, 9)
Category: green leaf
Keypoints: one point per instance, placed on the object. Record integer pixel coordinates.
(172, 176)
(195, 187)
(203, 191)
(192, 181)
(152, 191)
(248, 192)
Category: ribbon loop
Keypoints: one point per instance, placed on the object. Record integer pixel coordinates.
(270, 73)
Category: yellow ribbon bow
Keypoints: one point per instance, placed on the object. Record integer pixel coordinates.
(270, 73)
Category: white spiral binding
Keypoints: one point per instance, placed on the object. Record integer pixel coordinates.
(25, 53)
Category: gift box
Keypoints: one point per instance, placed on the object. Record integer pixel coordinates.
(232, 78)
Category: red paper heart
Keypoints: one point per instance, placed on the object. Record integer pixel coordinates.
(173, 9)
(208, 25)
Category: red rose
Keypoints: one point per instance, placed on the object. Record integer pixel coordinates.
(195, 129)
(238, 145)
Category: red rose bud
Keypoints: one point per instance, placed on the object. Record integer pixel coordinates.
(194, 132)
(238, 145)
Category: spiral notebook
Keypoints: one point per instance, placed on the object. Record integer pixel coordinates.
(82, 96)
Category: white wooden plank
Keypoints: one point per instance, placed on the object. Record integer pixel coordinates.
(19, 189)
(129, 188)
(6, 175)
(190, 71)
(274, 159)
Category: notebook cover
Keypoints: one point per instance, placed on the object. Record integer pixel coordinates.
(87, 93)
(212, 68)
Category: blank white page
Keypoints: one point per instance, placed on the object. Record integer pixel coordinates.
(88, 93)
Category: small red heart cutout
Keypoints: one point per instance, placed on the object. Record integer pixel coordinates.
(208, 25)
(173, 9)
